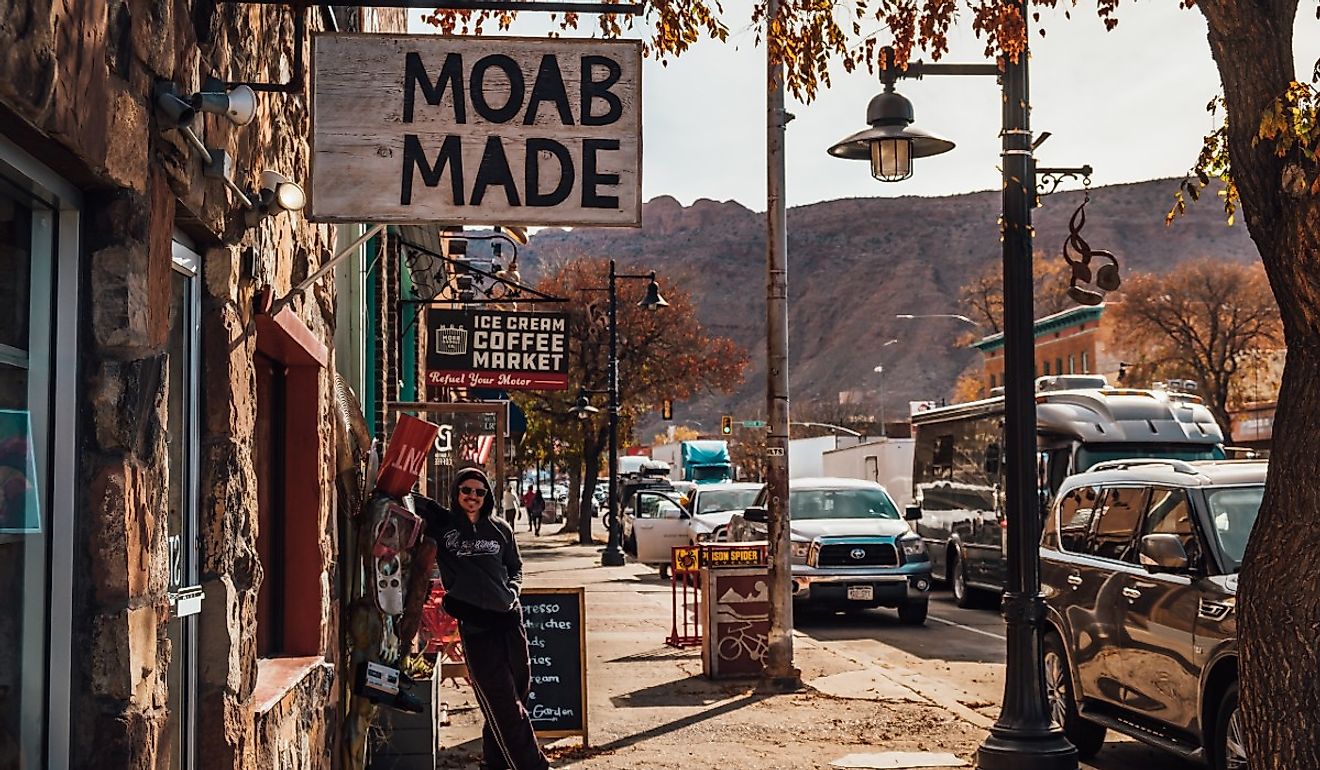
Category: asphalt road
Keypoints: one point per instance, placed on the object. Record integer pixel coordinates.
(958, 655)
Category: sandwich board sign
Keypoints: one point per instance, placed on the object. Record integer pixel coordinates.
(431, 128)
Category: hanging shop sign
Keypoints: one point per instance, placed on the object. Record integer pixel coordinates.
(429, 128)
(495, 348)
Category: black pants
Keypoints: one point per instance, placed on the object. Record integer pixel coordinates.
(500, 671)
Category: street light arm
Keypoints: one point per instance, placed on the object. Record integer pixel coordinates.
(828, 426)
(954, 316)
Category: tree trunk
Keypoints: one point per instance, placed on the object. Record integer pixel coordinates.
(1279, 599)
(575, 495)
(589, 474)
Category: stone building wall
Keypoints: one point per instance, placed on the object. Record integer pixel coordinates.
(76, 79)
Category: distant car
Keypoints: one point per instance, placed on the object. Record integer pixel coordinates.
(1139, 563)
(851, 548)
(712, 505)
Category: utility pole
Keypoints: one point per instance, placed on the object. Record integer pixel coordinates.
(780, 673)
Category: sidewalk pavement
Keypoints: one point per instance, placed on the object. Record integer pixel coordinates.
(650, 707)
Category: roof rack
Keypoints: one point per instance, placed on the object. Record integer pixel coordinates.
(1180, 466)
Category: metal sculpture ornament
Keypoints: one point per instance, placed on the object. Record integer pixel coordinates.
(428, 128)
(497, 349)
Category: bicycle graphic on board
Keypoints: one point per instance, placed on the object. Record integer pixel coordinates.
(738, 643)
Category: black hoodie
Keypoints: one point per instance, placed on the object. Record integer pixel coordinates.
(479, 563)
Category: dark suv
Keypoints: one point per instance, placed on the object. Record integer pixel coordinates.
(1139, 564)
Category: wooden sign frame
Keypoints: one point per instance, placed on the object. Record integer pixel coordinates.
(581, 594)
(412, 129)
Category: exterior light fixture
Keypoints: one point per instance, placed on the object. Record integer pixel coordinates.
(175, 112)
(583, 408)
(277, 194)
(238, 105)
(515, 233)
(891, 143)
(652, 300)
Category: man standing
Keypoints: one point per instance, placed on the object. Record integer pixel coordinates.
(535, 511)
(510, 505)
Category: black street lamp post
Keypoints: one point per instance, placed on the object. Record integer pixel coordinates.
(1023, 738)
(613, 555)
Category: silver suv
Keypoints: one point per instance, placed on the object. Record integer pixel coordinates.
(1139, 563)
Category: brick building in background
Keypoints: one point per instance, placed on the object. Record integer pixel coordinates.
(1068, 342)
(167, 528)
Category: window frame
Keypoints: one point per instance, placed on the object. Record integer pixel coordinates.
(1108, 491)
(62, 353)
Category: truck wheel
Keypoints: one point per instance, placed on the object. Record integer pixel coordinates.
(1228, 749)
(963, 595)
(913, 613)
(1088, 737)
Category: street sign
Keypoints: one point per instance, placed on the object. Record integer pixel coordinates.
(774, 451)
(753, 423)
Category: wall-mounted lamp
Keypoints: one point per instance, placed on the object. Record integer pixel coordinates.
(277, 194)
(174, 110)
(237, 104)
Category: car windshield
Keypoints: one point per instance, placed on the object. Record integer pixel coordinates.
(1232, 514)
(1091, 454)
(807, 504)
(725, 500)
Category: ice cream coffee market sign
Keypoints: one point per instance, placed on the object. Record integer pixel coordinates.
(497, 349)
(427, 128)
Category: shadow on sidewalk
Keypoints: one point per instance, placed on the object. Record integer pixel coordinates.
(750, 699)
(692, 691)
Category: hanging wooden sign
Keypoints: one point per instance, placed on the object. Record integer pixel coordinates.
(429, 128)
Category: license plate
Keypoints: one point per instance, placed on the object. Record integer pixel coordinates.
(861, 593)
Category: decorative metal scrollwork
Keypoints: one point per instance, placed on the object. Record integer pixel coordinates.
(1078, 254)
(1049, 179)
(436, 276)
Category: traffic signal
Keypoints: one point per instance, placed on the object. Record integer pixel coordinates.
(726, 424)
(666, 410)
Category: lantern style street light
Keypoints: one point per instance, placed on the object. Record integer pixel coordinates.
(891, 142)
(1024, 737)
(613, 555)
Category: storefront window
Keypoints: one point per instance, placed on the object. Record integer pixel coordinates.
(26, 258)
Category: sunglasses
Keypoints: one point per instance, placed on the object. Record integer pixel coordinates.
(474, 491)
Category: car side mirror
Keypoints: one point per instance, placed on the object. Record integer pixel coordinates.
(757, 514)
(1162, 553)
(912, 513)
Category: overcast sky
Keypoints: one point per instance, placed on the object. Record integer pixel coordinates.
(1130, 102)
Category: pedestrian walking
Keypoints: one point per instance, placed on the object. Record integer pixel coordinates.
(510, 505)
(482, 574)
(534, 513)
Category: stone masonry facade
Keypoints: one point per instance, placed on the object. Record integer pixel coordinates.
(76, 81)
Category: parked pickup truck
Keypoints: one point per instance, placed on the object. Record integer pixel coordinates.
(851, 548)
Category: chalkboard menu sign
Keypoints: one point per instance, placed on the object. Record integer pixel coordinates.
(555, 619)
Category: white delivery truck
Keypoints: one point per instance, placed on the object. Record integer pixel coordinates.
(887, 461)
